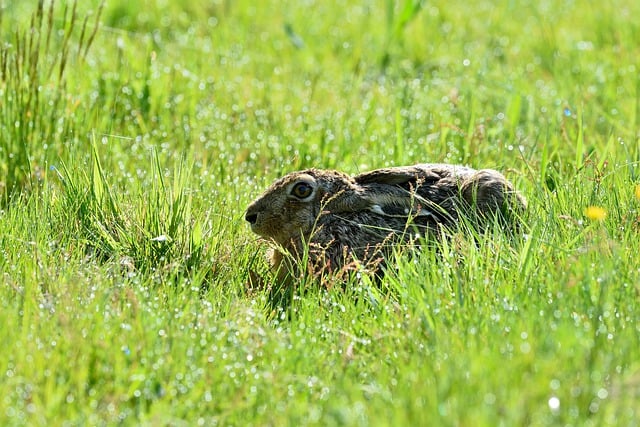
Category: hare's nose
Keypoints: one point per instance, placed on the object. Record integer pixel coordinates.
(251, 218)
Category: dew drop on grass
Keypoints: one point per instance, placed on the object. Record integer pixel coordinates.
(603, 393)
(554, 403)
(489, 398)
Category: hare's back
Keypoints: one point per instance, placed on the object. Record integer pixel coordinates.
(409, 175)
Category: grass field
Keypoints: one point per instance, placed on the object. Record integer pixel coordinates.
(130, 149)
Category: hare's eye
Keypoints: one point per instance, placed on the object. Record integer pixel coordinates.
(302, 190)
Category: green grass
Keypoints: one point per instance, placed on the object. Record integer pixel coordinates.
(129, 151)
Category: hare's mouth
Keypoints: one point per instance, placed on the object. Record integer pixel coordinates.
(259, 228)
(255, 227)
(256, 230)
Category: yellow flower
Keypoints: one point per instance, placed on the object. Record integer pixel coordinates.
(595, 213)
(638, 191)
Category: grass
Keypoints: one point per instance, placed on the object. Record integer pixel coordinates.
(129, 151)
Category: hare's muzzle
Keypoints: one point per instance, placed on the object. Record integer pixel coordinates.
(251, 218)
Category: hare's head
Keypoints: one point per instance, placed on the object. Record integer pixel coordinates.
(289, 208)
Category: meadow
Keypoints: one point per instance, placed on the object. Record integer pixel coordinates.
(134, 134)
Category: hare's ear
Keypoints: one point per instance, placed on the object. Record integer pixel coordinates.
(393, 191)
(389, 192)
(370, 197)
(405, 176)
(391, 200)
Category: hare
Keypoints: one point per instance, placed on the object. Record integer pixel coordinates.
(341, 219)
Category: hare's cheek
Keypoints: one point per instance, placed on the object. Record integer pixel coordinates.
(302, 220)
